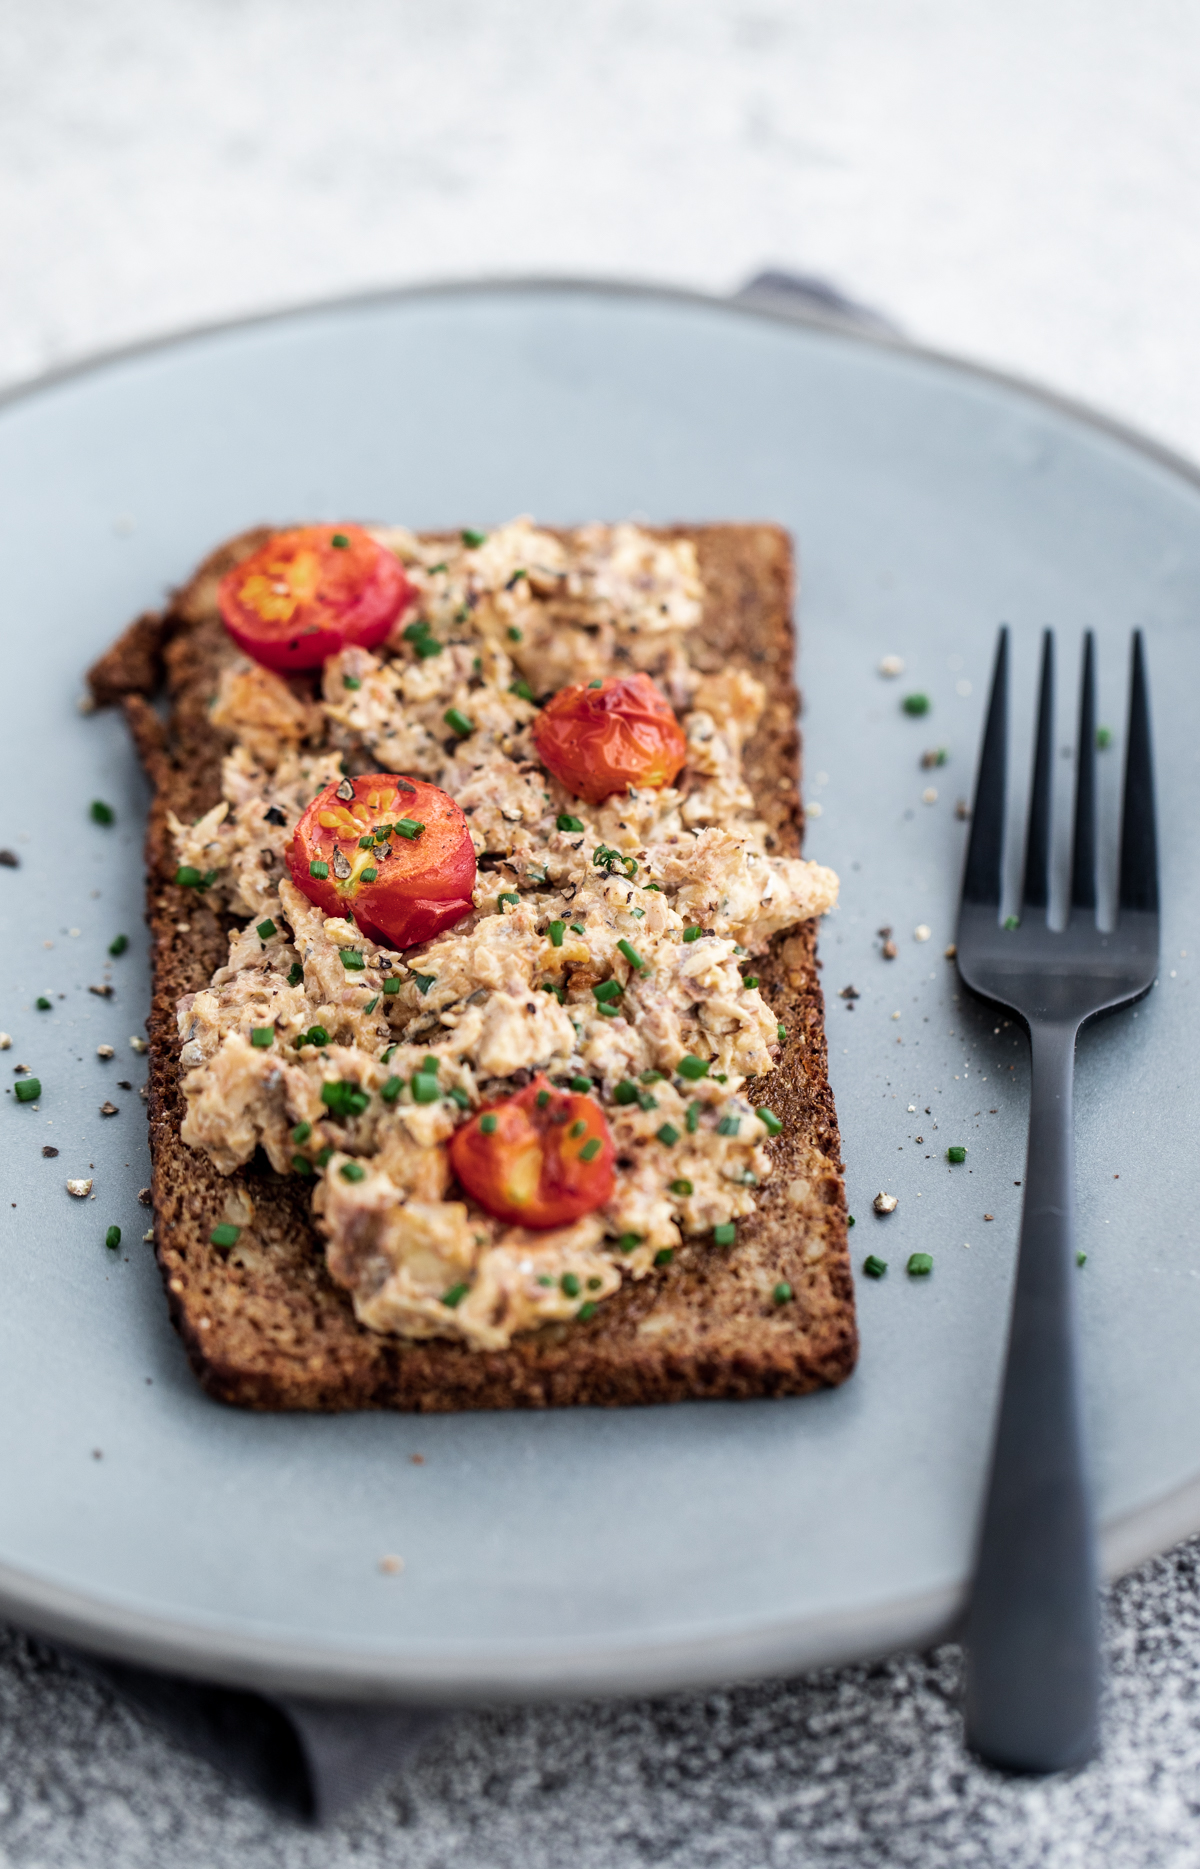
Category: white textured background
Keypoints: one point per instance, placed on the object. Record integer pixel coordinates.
(1016, 180)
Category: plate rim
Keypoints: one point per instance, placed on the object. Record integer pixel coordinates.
(201, 1651)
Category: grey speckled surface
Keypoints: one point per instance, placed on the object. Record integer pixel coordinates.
(1015, 182)
(858, 1766)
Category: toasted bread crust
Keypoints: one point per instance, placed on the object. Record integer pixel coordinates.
(265, 1326)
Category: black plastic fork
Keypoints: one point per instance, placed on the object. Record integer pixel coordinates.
(1033, 1654)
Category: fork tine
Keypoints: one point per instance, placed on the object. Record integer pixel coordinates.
(1036, 892)
(1139, 836)
(983, 875)
(1083, 852)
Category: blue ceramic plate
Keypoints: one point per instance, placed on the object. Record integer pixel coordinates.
(586, 1551)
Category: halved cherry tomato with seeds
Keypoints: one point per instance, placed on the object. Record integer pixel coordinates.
(396, 851)
(542, 1158)
(601, 737)
(310, 592)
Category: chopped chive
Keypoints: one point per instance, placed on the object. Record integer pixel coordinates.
(919, 1263)
(391, 1090)
(344, 1098)
(425, 981)
(1103, 738)
(392, 984)
(189, 878)
(609, 1012)
(625, 1092)
(409, 827)
(576, 929)
(607, 989)
(956, 1154)
(455, 1295)
(587, 1309)
(339, 541)
(629, 1242)
(472, 538)
(693, 933)
(458, 1095)
(556, 931)
(640, 914)
(28, 1090)
(352, 1171)
(385, 1057)
(582, 1085)
(729, 1125)
(915, 704)
(112, 1239)
(379, 835)
(693, 1068)
(590, 1149)
(371, 1004)
(413, 632)
(262, 1036)
(542, 1099)
(434, 569)
(657, 887)
(225, 1235)
(681, 1189)
(509, 895)
(302, 1132)
(266, 929)
(487, 1125)
(849, 1220)
(651, 1077)
(102, 813)
(42, 1003)
(595, 684)
(873, 1267)
(769, 1121)
(781, 1034)
(668, 1135)
(301, 1164)
(632, 956)
(647, 1100)
(695, 1111)
(458, 722)
(750, 980)
(322, 1160)
(664, 1255)
(295, 974)
(548, 986)
(424, 1087)
(565, 822)
(426, 646)
(118, 944)
(725, 1234)
(514, 634)
(1081, 1258)
(316, 868)
(577, 1128)
(594, 1284)
(351, 681)
(521, 689)
(352, 959)
(782, 1292)
(369, 875)
(569, 1285)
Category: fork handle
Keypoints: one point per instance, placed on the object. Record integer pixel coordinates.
(1033, 1655)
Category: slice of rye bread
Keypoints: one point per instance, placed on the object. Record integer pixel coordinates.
(265, 1326)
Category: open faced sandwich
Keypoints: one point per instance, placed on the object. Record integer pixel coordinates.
(488, 1065)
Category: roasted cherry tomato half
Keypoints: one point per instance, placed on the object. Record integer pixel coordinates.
(307, 593)
(396, 851)
(540, 1159)
(605, 736)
